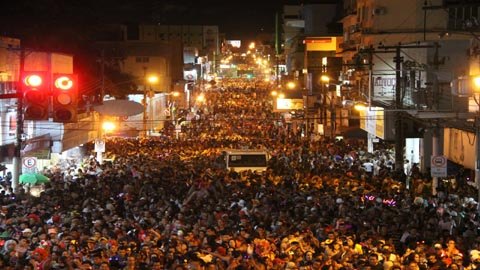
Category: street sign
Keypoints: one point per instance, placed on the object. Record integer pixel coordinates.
(438, 166)
(99, 146)
(29, 165)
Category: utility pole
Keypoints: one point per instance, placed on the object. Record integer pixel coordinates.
(100, 116)
(144, 131)
(399, 136)
(17, 159)
(277, 49)
(399, 113)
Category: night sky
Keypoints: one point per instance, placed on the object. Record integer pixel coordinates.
(235, 18)
(72, 26)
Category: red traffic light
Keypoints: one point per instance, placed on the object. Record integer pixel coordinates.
(64, 83)
(33, 80)
(35, 95)
(65, 98)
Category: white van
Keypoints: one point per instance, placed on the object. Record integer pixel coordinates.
(243, 159)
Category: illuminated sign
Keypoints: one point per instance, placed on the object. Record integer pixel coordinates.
(372, 120)
(235, 43)
(384, 86)
(317, 40)
(321, 44)
(285, 104)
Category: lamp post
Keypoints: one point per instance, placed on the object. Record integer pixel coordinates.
(173, 110)
(476, 84)
(152, 79)
(105, 127)
(149, 80)
(323, 115)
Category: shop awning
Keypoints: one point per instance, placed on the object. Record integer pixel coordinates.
(7, 152)
(39, 147)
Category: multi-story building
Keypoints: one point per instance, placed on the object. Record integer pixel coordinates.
(9, 74)
(400, 58)
(311, 36)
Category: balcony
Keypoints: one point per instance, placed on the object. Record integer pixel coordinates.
(348, 44)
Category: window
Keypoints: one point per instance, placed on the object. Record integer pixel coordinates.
(142, 59)
(460, 18)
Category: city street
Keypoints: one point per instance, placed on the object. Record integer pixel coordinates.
(167, 203)
(225, 135)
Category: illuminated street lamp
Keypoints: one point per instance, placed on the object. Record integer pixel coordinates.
(108, 127)
(291, 85)
(360, 107)
(274, 93)
(325, 79)
(152, 79)
(476, 83)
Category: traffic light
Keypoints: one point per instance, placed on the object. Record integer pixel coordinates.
(35, 95)
(65, 91)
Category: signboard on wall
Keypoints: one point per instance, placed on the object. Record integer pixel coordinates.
(459, 147)
(372, 120)
(438, 166)
(384, 86)
(288, 104)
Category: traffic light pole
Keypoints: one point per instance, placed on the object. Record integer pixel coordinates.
(17, 159)
(144, 120)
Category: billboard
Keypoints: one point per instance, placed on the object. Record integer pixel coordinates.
(234, 43)
(372, 120)
(288, 104)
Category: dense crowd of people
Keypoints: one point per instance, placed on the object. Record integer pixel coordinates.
(170, 203)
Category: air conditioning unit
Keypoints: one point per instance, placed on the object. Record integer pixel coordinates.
(367, 30)
(355, 28)
(379, 11)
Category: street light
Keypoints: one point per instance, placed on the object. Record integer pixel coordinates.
(291, 85)
(476, 91)
(324, 79)
(151, 79)
(173, 111)
(360, 106)
(108, 127)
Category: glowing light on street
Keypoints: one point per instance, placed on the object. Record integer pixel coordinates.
(291, 85)
(108, 126)
(476, 83)
(325, 78)
(152, 79)
(360, 107)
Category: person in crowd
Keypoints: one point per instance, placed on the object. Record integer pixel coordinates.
(168, 203)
